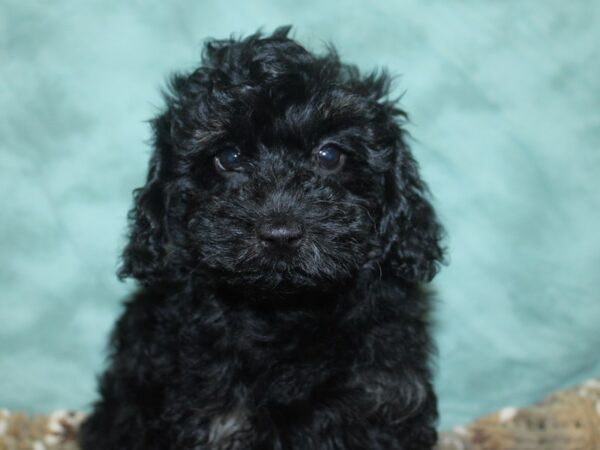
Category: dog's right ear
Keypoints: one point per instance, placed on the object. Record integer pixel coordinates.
(144, 255)
(411, 232)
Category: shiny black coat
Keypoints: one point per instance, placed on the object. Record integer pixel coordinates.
(236, 342)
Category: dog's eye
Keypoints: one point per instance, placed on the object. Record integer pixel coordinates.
(228, 160)
(330, 158)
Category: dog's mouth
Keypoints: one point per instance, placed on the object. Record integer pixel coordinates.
(303, 263)
(276, 250)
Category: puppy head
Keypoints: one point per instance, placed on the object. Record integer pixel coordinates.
(275, 167)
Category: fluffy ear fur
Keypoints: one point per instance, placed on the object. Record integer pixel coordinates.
(409, 226)
(144, 255)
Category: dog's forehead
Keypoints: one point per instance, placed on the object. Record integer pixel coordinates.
(284, 116)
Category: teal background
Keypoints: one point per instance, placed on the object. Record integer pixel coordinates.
(504, 101)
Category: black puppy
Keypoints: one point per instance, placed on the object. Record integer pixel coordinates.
(279, 243)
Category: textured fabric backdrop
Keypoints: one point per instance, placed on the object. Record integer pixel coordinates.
(504, 100)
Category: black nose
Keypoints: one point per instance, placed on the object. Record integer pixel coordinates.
(279, 231)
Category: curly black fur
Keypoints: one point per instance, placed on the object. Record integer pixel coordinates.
(233, 344)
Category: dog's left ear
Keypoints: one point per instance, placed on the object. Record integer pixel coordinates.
(410, 230)
(144, 257)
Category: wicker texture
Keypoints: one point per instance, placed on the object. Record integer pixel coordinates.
(567, 420)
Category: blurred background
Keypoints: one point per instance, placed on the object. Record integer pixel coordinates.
(504, 100)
